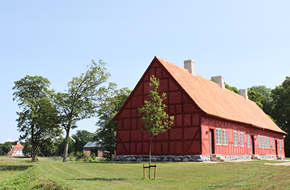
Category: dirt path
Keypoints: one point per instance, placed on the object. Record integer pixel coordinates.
(279, 164)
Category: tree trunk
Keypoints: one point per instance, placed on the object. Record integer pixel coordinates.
(150, 153)
(110, 152)
(33, 154)
(32, 143)
(150, 150)
(66, 145)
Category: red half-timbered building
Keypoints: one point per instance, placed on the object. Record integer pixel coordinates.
(208, 120)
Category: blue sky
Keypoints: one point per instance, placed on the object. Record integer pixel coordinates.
(245, 41)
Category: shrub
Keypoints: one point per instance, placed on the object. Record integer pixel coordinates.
(71, 157)
(89, 158)
(81, 155)
(93, 156)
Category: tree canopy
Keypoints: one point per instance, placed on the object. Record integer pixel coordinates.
(83, 98)
(106, 132)
(155, 120)
(281, 110)
(261, 95)
(81, 138)
(5, 148)
(38, 119)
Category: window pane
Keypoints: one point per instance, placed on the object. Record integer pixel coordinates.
(218, 136)
(242, 139)
(235, 138)
(225, 137)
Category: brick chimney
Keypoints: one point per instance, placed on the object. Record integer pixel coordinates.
(244, 93)
(220, 81)
(190, 66)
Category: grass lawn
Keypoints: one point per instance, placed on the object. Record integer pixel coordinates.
(9, 168)
(108, 175)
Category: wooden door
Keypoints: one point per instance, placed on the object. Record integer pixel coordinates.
(253, 144)
(276, 147)
(211, 141)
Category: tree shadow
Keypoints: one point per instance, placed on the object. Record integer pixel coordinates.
(99, 179)
(118, 162)
(14, 167)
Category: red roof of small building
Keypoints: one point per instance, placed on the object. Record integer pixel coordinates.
(215, 101)
(10, 152)
(18, 145)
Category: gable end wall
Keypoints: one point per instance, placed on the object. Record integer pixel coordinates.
(184, 136)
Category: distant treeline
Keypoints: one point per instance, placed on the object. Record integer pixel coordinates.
(55, 147)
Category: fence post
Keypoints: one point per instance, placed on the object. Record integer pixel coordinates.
(144, 171)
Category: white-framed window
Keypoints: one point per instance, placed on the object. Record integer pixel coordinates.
(262, 137)
(248, 140)
(218, 136)
(273, 143)
(280, 145)
(259, 141)
(268, 142)
(225, 137)
(235, 138)
(242, 139)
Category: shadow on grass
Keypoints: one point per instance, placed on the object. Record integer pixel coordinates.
(14, 167)
(99, 179)
(124, 162)
(103, 162)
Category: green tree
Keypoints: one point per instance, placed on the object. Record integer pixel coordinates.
(256, 97)
(232, 88)
(27, 150)
(82, 98)
(48, 149)
(81, 138)
(1, 151)
(281, 110)
(155, 120)
(6, 147)
(60, 144)
(106, 132)
(38, 119)
(262, 90)
(261, 95)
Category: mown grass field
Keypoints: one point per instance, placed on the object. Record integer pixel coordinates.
(108, 175)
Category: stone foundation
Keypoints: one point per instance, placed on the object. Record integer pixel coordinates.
(237, 157)
(264, 157)
(184, 158)
(162, 158)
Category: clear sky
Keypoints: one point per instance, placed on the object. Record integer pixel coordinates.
(247, 42)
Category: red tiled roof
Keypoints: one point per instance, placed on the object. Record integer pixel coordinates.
(10, 152)
(18, 145)
(214, 100)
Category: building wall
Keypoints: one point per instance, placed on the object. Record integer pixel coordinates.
(208, 123)
(100, 153)
(184, 136)
(18, 151)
